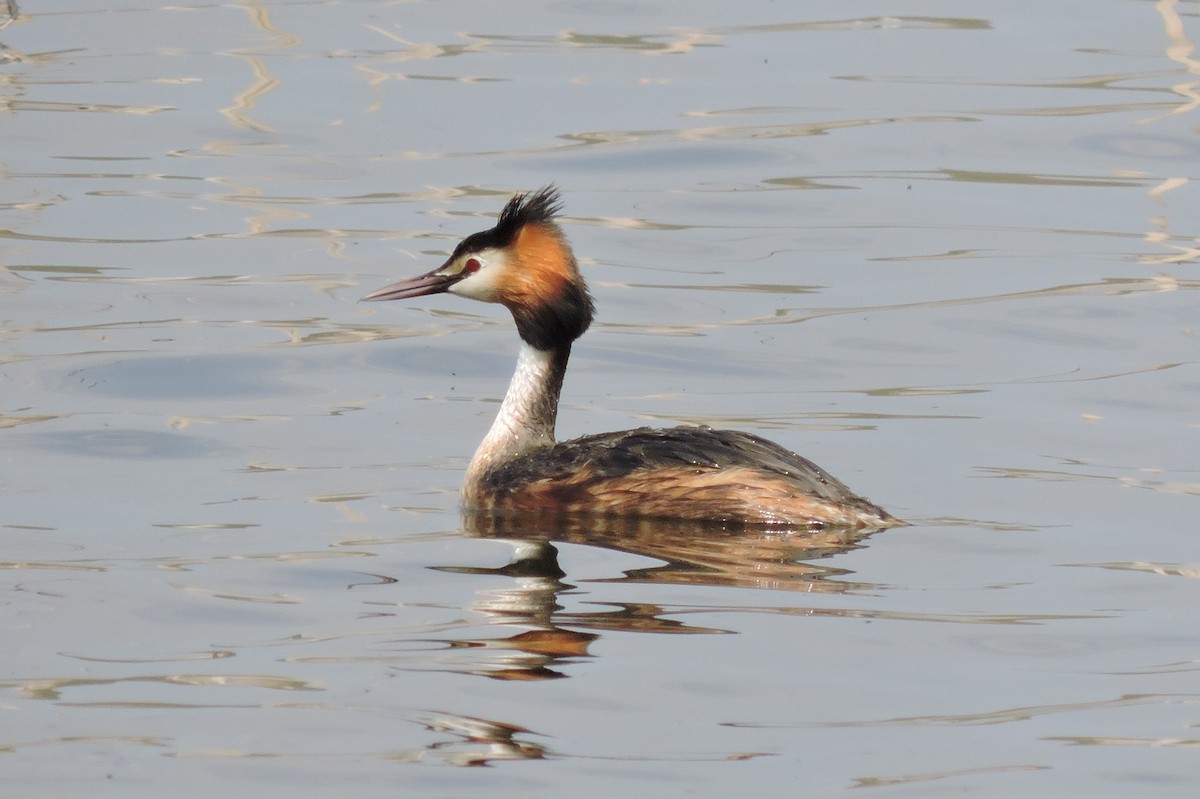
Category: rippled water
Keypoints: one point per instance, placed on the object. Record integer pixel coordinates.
(950, 258)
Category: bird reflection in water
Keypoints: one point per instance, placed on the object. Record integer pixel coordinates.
(694, 553)
(691, 554)
(531, 602)
(476, 741)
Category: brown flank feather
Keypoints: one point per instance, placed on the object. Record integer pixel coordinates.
(693, 473)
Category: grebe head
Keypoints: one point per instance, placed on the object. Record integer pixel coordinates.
(524, 263)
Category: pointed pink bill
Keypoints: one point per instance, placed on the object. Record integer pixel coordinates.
(429, 283)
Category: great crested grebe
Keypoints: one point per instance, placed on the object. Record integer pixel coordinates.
(684, 473)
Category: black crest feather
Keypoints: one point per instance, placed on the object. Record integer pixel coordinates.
(539, 207)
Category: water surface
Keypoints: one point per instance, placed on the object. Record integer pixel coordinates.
(946, 252)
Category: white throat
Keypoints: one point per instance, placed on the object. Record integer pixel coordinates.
(526, 418)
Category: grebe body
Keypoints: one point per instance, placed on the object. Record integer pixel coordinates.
(688, 473)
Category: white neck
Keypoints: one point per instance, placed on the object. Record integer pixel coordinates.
(526, 418)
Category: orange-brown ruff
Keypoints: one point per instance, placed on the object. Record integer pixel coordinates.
(693, 473)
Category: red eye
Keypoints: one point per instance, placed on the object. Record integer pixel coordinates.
(472, 266)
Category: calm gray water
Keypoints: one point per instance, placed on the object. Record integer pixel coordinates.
(951, 258)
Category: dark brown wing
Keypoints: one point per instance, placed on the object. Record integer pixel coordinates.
(681, 472)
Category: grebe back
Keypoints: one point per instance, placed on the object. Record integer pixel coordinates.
(691, 473)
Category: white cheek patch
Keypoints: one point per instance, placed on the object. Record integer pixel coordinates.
(485, 284)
